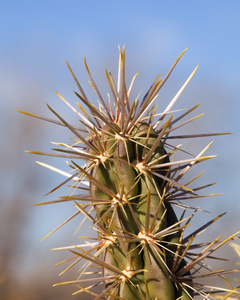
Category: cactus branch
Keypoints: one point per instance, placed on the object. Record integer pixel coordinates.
(131, 184)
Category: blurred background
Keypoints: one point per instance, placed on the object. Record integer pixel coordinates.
(36, 37)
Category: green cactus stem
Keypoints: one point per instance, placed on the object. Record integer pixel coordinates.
(129, 184)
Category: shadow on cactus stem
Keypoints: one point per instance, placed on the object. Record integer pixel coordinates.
(128, 188)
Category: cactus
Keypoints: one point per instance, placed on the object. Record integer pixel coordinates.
(130, 184)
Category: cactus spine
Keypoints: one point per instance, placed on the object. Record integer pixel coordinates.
(140, 252)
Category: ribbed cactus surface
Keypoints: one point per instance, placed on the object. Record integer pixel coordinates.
(134, 209)
(129, 186)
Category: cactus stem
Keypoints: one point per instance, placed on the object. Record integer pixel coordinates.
(129, 188)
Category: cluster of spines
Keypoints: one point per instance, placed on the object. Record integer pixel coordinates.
(141, 249)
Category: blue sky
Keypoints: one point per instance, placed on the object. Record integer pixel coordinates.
(36, 37)
(32, 31)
